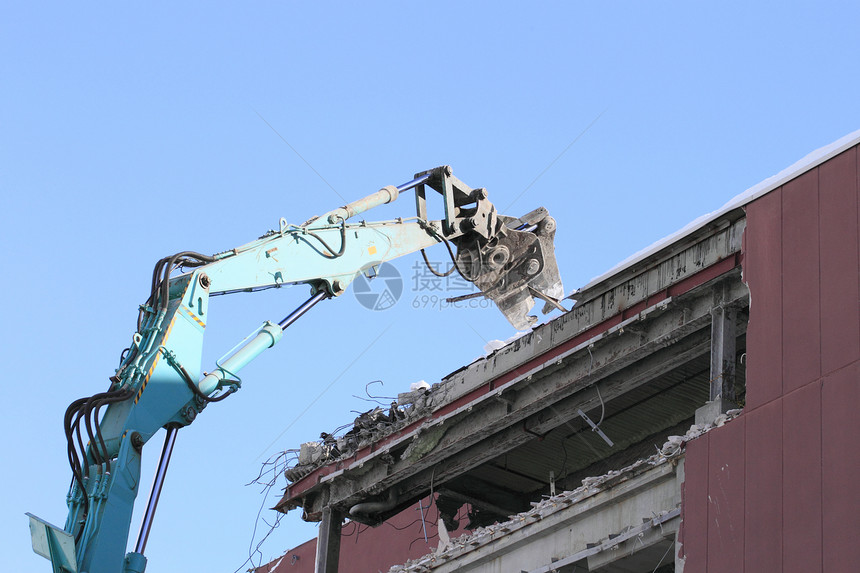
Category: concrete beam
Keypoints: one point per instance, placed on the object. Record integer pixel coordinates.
(639, 539)
(513, 436)
(643, 347)
(671, 273)
(565, 532)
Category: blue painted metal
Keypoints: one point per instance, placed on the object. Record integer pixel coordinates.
(268, 335)
(296, 255)
(162, 371)
(134, 563)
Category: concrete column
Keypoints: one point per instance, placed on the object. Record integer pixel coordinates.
(723, 353)
(328, 541)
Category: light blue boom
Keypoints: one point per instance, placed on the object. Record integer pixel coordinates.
(159, 383)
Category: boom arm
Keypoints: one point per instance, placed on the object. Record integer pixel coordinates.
(160, 384)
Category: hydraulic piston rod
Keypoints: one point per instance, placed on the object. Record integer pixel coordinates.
(384, 195)
(268, 335)
(161, 472)
(306, 306)
(414, 183)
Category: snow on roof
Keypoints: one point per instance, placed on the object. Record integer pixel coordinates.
(811, 161)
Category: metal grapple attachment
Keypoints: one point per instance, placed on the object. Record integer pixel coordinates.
(511, 260)
(515, 265)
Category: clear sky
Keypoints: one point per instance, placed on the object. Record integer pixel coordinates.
(130, 132)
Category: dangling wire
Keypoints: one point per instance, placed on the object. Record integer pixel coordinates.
(602, 406)
(276, 466)
(372, 398)
(591, 357)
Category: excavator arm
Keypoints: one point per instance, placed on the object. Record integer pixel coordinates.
(160, 383)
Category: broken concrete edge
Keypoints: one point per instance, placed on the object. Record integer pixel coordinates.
(666, 271)
(670, 453)
(433, 407)
(506, 358)
(405, 431)
(368, 428)
(654, 255)
(686, 268)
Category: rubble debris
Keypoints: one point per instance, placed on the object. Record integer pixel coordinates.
(444, 538)
(420, 385)
(368, 427)
(591, 486)
(377, 423)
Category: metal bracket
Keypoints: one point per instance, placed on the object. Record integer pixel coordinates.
(54, 544)
(595, 428)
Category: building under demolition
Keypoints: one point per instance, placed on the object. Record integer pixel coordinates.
(695, 410)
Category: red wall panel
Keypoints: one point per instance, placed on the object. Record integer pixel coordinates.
(364, 549)
(801, 493)
(726, 498)
(801, 332)
(392, 543)
(840, 416)
(694, 505)
(775, 489)
(840, 288)
(763, 491)
(298, 560)
(763, 274)
(801, 422)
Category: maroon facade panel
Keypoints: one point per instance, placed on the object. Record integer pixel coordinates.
(840, 416)
(364, 548)
(694, 505)
(840, 288)
(763, 274)
(726, 499)
(801, 480)
(301, 560)
(801, 317)
(763, 495)
(801, 422)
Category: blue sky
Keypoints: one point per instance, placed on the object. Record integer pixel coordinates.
(131, 132)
